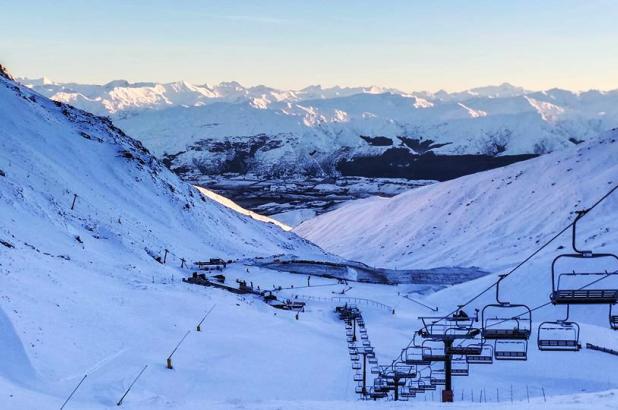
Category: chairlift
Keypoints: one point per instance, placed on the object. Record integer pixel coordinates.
(570, 295)
(438, 377)
(485, 357)
(358, 377)
(448, 328)
(511, 350)
(433, 351)
(404, 371)
(424, 380)
(380, 385)
(466, 348)
(375, 370)
(429, 386)
(504, 320)
(414, 355)
(376, 394)
(416, 386)
(356, 366)
(560, 335)
(460, 367)
(613, 318)
(395, 382)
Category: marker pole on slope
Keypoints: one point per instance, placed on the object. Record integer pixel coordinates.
(73, 392)
(169, 358)
(131, 386)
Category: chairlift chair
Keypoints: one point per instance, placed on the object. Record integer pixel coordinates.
(356, 366)
(395, 382)
(414, 355)
(466, 348)
(404, 371)
(424, 381)
(358, 377)
(560, 335)
(380, 385)
(504, 320)
(613, 318)
(438, 377)
(433, 351)
(460, 367)
(511, 350)
(429, 386)
(485, 357)
(447, 328)
(415, 387)
(570, 295)
(376, 394)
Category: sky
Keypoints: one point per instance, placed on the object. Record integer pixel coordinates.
(405, 44)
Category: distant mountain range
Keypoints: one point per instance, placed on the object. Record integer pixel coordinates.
(203, 130)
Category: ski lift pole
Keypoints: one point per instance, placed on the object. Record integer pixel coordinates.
(169, 358)
(447, 393)
(199, 325)
(73, 392)
(364, 374)
(131, 386)
(74, 199)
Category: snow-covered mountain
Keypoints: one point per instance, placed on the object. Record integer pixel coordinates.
(85, 307)
(488, 219)
(372, 131)
(52, 151)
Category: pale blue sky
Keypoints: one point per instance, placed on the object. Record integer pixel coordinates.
(408, 44)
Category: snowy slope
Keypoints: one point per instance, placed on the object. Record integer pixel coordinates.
(485, 220)
(101, 306)
(81, 292)
(53, 151)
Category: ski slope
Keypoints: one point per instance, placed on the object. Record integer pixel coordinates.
(83, 295)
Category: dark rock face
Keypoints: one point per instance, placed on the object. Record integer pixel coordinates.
(420, 146)
(378, 141)
(400, 163)
(229, 156)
